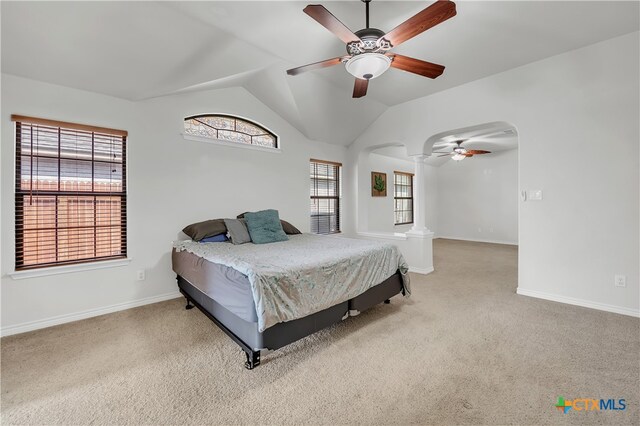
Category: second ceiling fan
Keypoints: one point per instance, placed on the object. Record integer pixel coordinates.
(460, 153)
(368, 48)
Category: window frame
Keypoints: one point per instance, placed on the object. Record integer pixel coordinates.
(396, 197)
(96, 262)
(225, 142)
(337, 198)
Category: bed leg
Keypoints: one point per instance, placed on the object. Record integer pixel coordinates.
(189, 305)
(386, 302)
(253, 360)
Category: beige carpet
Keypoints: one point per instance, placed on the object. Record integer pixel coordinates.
(465, 349)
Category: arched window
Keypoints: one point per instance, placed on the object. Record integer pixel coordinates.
(228, 128)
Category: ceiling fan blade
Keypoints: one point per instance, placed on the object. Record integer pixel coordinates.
(416, 66)
(360, 88)
(477, 152)
(317, 65)
(438, 12)
(330, 22)
(444, 155)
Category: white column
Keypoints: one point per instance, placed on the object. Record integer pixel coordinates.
(419, 202)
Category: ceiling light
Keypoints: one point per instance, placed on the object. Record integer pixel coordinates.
(368, 65)
(458, 157)
(459, 150)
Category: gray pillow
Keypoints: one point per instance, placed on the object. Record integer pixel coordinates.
(237, 231)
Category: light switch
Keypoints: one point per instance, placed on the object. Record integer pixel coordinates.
(534, 195)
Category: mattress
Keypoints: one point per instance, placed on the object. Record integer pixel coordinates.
(225, 285)
(231, 289)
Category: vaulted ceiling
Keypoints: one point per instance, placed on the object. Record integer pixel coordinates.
(141, 50)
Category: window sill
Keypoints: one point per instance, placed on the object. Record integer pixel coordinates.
(66, 269)
(232, 144)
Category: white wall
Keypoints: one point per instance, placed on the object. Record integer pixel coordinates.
(380, 209)
(577, 116)
(172, 182)
(478, 198)
(432, 198)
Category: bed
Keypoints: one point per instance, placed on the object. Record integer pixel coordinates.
(265, 296)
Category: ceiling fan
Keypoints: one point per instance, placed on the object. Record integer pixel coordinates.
(368, 48)
(460, 153)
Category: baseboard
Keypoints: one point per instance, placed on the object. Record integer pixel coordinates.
(423, 271)
(62, 319)
(510, 243)
(579, 302)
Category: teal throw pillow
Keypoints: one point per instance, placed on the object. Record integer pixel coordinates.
(265, 227)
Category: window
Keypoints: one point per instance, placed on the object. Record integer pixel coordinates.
(403, 197)
(70, 193)
(231, 129)
(325, 196)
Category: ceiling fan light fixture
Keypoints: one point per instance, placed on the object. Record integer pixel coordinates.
(367, 47)
(368, 65)
(459, 150)
(458, 157)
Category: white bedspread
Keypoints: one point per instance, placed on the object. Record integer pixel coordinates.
(309, 273)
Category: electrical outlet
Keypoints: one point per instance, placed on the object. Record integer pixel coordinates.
(479, 229)
(621, 280)
(141, 275)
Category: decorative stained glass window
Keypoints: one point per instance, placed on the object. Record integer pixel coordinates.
(230, 129)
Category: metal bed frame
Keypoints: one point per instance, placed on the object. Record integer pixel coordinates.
(291, 331)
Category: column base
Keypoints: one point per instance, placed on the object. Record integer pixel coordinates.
(419, 233)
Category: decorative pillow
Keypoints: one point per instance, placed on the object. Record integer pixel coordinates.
(215, 239)
(265, 227)
(288, 228)
(237, 231)
(208, 228)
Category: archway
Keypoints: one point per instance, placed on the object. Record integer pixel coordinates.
(478, 196)
(484, 130)
(374, 221)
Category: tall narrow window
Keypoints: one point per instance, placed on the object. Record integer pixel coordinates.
(70, 193)
(325, 196)
(403, 197)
